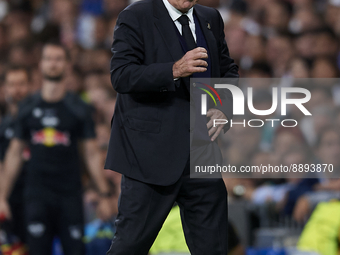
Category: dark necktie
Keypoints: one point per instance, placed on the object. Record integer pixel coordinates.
(186, 32)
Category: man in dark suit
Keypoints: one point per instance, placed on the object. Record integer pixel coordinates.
(158, 45)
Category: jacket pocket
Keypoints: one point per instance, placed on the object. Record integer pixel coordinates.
(149, 126)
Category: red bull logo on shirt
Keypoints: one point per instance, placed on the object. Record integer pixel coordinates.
(51, 137)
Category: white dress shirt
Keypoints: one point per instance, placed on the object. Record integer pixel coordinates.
(175, 14)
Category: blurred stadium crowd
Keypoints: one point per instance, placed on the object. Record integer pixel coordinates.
(267, 39)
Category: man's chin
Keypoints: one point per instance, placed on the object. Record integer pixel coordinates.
(188, 4)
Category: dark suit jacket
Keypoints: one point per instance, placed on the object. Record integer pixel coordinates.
(150, 135)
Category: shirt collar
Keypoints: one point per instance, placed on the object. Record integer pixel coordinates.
(175, 14)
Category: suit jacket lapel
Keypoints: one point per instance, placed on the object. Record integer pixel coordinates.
(210, 39)
(166, 27)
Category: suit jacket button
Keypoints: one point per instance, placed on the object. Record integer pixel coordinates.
(164, 89)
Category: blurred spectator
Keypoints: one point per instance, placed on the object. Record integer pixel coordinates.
(321, 233)
(16, 89)
(279, 51)
(298, 68)
(275, 9)
(311, 127)
(52, 123)
(324, 68)
(327, 152)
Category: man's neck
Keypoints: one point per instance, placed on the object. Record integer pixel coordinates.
(53, 91)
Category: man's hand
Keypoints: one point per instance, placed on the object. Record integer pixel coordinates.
(5, 210)
(214, 114)
(104, 209)
(191, 63)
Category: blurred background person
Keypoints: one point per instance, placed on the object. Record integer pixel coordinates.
(16, 88)
(52, 122)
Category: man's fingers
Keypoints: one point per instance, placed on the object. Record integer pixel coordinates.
(198, 70)
(200, 55)
(193, 62)
(210, 123)
(203, 55)
(200, 62)
(219, 128)
(199, 49)
(210, 113)
(212, 131)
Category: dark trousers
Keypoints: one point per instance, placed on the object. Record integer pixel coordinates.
(59, 216)
(18, 222)
(144, 207)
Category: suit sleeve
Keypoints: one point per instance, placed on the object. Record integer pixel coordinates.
(229, 70)
(129, 74)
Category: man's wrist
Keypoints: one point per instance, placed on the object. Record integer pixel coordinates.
(175, 73)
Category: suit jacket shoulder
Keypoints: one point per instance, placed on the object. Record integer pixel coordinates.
(212, 15)
(211, 12)
(140, 8)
